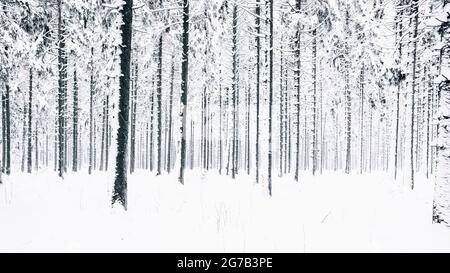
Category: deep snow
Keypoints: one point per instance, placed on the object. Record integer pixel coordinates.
(212, 213)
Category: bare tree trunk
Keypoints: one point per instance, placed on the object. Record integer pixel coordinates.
(415, 13)
(270, 96)
(441, 200)
(184, 87)
(120, 182)
(258, 75)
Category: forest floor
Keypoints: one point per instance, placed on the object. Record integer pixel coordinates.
(211, 213)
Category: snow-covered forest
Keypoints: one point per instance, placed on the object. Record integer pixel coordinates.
(225, 125)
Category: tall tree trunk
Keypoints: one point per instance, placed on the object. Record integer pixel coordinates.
(102, 145)
(55, 148)
(361, 121)
(65, 105)
(158, 100)
(8, 130)
(235, 89)
(91, 115)
(132, 102)
(248, 130)
(348, 102)
(108, 132)
(192, 142)
(415, 13)
(315, 129)
(75, 122)
(61, 45)
(297, 83)
(3, 165)
(24, 134)
(441, 200)
(120, 182)
(270, 97)
(258, 76)
(220, 128)
(169, 145)
(429, 101)
(36, 145)
(281, 146)
(30, 126)
(184, 87)
(152, 107)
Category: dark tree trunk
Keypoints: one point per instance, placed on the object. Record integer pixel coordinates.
(3, 165)
(24, 135)
(235, 94)
(8, 131)
(36, 144)
(103, 142)
(258, 75)
(415, 13)
(152, 107)
(61, 45)
(169, 138)
(120, 182)
(91, 116)
(108, 133)
(184, 87)
(107, 138)
(297, 78)
(315, 114)
(270, 97)
(75, 123)
(30, 126)
(159, 105)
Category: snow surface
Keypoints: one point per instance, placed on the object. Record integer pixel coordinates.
(212, 213)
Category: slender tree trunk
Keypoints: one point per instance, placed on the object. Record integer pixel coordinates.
(8, 131)
(24, 135)
(46, 149)
(75, 122)
(429, 96)
(65, 90)
(133, 119)
(248, 130)
(169, 145)
(361, 124)
(415, 13)
(55, 148)
(220, 129)
(192, 146)
(120, 182)
(315, 129)
(30, 126)
(235, 89)
(270, 96)
(184, 87)
(102, 145)
(3, 165)
(36, 145)
(281, 114)
(297, 77)
(107, 139)
(158, 100)
(348, 102)
(152, 107)
(258, 76)
(91, 115)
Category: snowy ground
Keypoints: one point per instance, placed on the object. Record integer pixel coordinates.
(211, 213)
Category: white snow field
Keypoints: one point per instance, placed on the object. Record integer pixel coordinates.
(212, 213)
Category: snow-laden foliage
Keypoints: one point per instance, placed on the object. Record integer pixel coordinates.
(317, 85)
